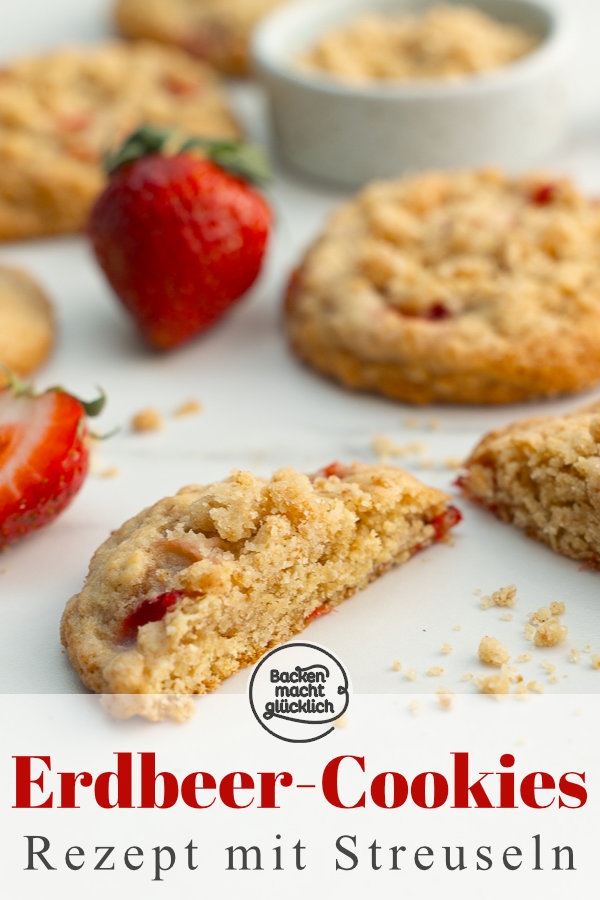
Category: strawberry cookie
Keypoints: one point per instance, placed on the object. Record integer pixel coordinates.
(26, 323)
(215, 30)
(204, 583)
(543, 475)
(466, 287)
(60, 114)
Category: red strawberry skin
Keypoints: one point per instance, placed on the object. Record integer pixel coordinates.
(44, 459)
(180, 240)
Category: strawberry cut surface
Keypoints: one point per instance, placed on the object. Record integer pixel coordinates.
(44, 457)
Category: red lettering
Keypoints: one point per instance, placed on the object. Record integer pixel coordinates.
(330, 782)
(24, 780)
(529, 788)
(190, 789)
(418, 790)
(573, 790)
(399, 790)
(463, 791)
(123, 785)
(228, 787)
(149, 778)
(268, 783)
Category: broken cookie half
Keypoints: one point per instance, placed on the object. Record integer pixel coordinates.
(204, 583)
(543, 475)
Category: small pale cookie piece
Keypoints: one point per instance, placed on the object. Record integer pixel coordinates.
(204, 583)
(27, 325)
(61, 112)
(543, 475)
(217, 31)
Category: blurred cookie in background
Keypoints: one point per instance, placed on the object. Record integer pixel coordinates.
(27, 326)
(61, 112)
(217, 31)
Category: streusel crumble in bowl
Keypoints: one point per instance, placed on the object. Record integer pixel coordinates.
(361, 90)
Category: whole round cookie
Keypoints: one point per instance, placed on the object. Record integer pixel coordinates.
(467, 287)
(215, 30)
(26, 323)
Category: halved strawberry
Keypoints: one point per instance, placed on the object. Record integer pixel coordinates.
(44, 456)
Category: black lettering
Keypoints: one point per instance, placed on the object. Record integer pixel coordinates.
(39, 853)
(349, 853)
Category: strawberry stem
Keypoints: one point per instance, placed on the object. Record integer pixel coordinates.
(244, 160)
(90, 407)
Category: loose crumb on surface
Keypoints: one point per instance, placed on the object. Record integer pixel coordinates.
(412, 422)
(540, 615)
(492, 651)
(494, 684)
(189, 408)
(529, 632)
(110, 472)
(147, 420)
(535, 687)
(397, 666)
(447, 649)
(550, 633)
(411, 675)
(384, 447)
(446, 699)
(524, 657)
(557, 608)
(415, 708)
(574, 655)
(453, 462)
(457, 628)
(507, 617)
(506, 596)
(435, 670)
(595, 660)
(467, 676)
(548, 667)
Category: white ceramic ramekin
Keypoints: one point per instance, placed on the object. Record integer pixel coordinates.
(510, 116)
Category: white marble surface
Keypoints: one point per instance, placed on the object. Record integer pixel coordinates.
(263, 410)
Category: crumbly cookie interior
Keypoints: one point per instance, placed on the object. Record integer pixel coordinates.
(543, 475)
(244, 565)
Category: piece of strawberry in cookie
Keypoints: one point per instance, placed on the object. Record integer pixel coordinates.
(204, 583)
(543, 475)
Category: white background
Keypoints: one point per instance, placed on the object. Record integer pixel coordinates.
(263, 410)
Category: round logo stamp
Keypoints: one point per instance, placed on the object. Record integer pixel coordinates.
(298, 691)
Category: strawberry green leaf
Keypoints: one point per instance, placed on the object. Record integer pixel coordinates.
(237, 157)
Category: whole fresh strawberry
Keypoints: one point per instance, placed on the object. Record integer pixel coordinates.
(44, 456)
(178, 231)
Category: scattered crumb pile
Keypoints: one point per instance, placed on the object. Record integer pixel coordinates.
(543, 629)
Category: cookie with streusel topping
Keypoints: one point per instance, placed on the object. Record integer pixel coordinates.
(543, 475)
(27, 324)
(215, 30)
(464, 287)
(61, 112)
(203, 583)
